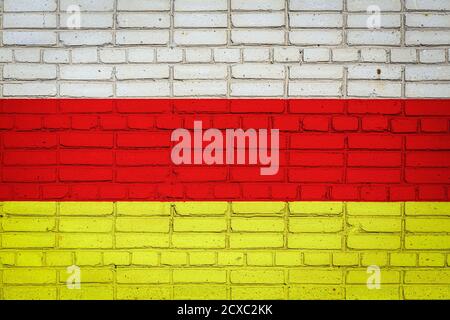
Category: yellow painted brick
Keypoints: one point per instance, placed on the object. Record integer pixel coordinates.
(230, 258)
(250, 207)
(373, 241)
(374, 258)
(144, 292)
(374, 208)
(435, 276)
(143, 208)
(30, 293)
(375, 224)
(320, 224)
(28, 224)
(173, 258)
(316, 292)
(142, 224)
(116, 258)
(146, 275)
(88, 258)
(317, 258)
(316, 208)
(427, 208)
(430, 292)
(141, 240)
(427, 225)
(29, 276)
(403, 259)
(202, 258)
(288, 258)
(257, 224)
(85, 225)
(87, 293)
(386, 292)
(58, 258)
(40, 208)
(431, 259)
(148, 258)
(199, 276)
(201, 208)
(313, 276)
(427, 242)
(361, 277)
(29, 259)
(85, 240)
(259, 258)
(200, 224)
(193, 240)
(257, 293)
(199, 292)
(89, 275)
(256, 240)
(345, 259)
(269, 276)
(7, 258)
(314, 241)
(86, 208)
(28, 240)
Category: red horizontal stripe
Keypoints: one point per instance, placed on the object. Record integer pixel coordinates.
(119, 149)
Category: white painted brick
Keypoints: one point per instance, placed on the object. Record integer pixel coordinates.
(373, 37)
(29, 5)
(258, 4)
(427, 20)
(88, 20)
(374, 55)
(143, 20)
(315, 20)
(200, 20)
(139, 55)
(286, 54)
(138, 71)
(112, 55)
(89, 38)
(258, 19)
(425, 37)
(432, 56)
(143, 5)
(169, 55)
(427, 73)
(315, 37)
(200, 37)
(315, 88)
(27, 89)
(258, 71)
(56, 56)
(427, 4)
(256, 54)
(374, 72)
(374, 88)
(27, 55)
(246, 36)
(142, 37)
(427, 90)
(87, 5)
(319, 71)
(199, 88)
(29, 20)
(86, 89)
(201, 5)
(86, 72)
(84, 55)
(404, 55)
(6, 55)
(386, 20)
(24, 71)
(384, 5)
(227, 55)
(186, 72)
(345, 54)
(29, 38)
(198, 55)
(316, 54)
(143, 89)
(314, 5)
(252, 88)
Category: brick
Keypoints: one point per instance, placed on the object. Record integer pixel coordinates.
(427, 225)
(287, 258)
(257, 224)
(30, 208)
(314, 241)
(29, 259)
(423, 292)
(319, 276)
(74, 241)
(126, 275)
(199, 292)
(88, 293)
(255, 240)
(259, 259)
(202, 258)
(425, 241)
(199, 276)
(86, 208)
(29, 276)
(85, 225)
(387, 292)
(58, 258)
(374, 258)
(427, 208)
(201, 208)
(268, 276)
(192, 240)
(322, 225)
(322, 208)
(141, 240)
(361, 276)
(145, 258)
(368, 241)
(374, 208)
(30, 293)
(199, 224)
(431, 259)
(376, 224)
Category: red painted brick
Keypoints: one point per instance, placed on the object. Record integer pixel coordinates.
(141, 122)
(403, 125)
(434, 125)
(375, 124)
(427, 107)
(316, 175)
(385, 106)
(322, 106)
(88, 139)
(84, 122)
(345, 193)
(359, 175)
(429, 142)
(27, 123)
(374, 159)
(29, 140)
(322, 141)
(345, 123)
(112, 122)
(29, 158)
(374, 141)
(312, 123)
(143, 140)
(427, 175)
(86, 106)
(29, 174)
(142, 174)
(316, 159)
(85, 174)
(428, 159)
(86, 157)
